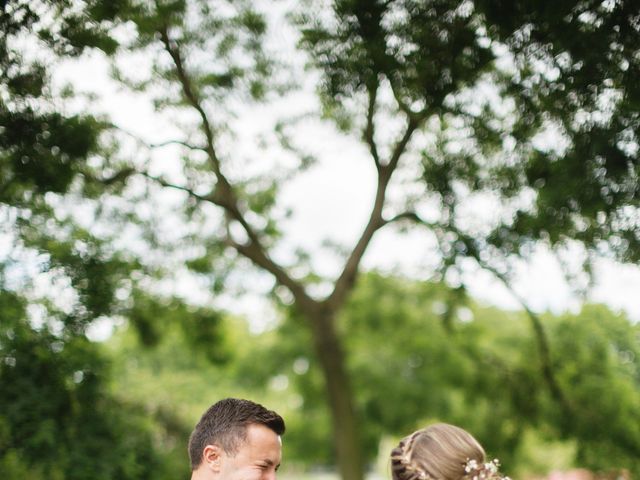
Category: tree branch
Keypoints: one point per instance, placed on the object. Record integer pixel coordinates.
(536, 323)
(369, 131)
(541, 339)
(403, 106)
(223, 194)
(176, 142)
(161, 181)
(412, 216)
(259, 257)
(399, 149)
(156, 145)
(191, 96)
(346, 281)
(118, 177)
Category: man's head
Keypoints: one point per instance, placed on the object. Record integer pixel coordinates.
(236, 436)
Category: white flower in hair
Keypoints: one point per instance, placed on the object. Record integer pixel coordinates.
(470, 466)
(485, 471)
(492, 466)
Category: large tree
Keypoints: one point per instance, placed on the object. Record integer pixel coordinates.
(533, 110)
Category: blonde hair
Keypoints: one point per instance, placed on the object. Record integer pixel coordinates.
(440, 452)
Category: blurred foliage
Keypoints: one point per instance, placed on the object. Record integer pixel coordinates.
(482, 84)
(42, 149)
(482, 372)
(590, 52)
(57, 420)
(410, 369)
(517, 98)
(175, 382)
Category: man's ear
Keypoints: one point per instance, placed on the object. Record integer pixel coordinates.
(211, 457)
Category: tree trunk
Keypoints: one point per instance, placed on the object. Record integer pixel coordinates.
(346, 434)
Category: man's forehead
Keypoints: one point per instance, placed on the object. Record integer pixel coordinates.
(260, 435)
(262, 446)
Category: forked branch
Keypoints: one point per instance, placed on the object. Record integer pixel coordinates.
(223, 194)
(346, 281)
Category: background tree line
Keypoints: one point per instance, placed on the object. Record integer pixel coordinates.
(124, 408)
(452, 101)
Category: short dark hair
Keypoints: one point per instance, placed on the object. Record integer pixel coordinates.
(225, 424)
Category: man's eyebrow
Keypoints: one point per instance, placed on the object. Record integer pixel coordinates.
(270, 462)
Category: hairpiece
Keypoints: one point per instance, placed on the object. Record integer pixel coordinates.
(483, 471)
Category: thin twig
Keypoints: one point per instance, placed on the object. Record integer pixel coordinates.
(151, 146)
(413, 217)
(161, 181)
(541, 338)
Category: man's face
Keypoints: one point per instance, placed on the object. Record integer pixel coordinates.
(257, 458)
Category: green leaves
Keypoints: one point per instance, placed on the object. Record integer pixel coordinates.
(532, 107)
(44, 153)
(597, 356)
(153, 318)
(41, 148)
(253, 21)
(94, 272)
(55, 414)
(573, 65)
(425, 50)
(527, 100)
(29, 83)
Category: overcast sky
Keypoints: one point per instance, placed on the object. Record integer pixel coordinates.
(332, 200)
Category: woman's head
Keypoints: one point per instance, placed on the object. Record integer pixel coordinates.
(440, 452)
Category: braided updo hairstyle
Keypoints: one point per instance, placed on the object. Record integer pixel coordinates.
(440, 452)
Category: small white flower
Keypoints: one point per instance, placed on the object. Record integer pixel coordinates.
(471, 465)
